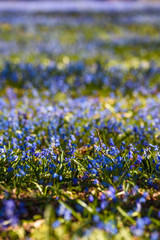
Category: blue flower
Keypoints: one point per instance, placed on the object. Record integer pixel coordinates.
(111, 143)
(10, 213)
(91, 198)
(56, 224)
(110, 228)
(158, 166)
(10, 169)
(60, 178)
(147, 220)
(139, 159)
(21, 173)
(140, 223)
(63, 211)
(55, 175)
(111, 192)
(154, 236)
(137, 231)
(96, 218)
(103, 204)
(95, 181)
(67, 215)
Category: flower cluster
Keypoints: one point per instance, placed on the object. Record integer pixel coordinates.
(81, 136)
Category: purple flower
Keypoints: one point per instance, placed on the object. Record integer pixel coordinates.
(139, 159)
(60, 210)
(137, 231)
(100, 225)
(75, 181)
(155, 236)
(103, 196)
(131, 167)
(91, 198)
(111, 192)
(103, 204)
(9, 208)
(140, 223)
(10, 212)
(95, 181)
(146, 220)
(14, 220)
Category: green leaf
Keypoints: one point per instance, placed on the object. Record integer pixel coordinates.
(83, 204)
(155, 221)
(38, 186)
(124, 214)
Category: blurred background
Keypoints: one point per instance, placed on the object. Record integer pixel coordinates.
(83, 0)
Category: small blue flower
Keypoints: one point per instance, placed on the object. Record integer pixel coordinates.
(95, 181)
(55, 175)
(139, 159)
(91, 198)
(155, 236)
(96, 218)
(111, 192)
(56, 224)
(103, 204)
(67, 215)
(10, 169)
(60, 178)
(110, 228)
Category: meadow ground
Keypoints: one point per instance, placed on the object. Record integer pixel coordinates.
(80, 126)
